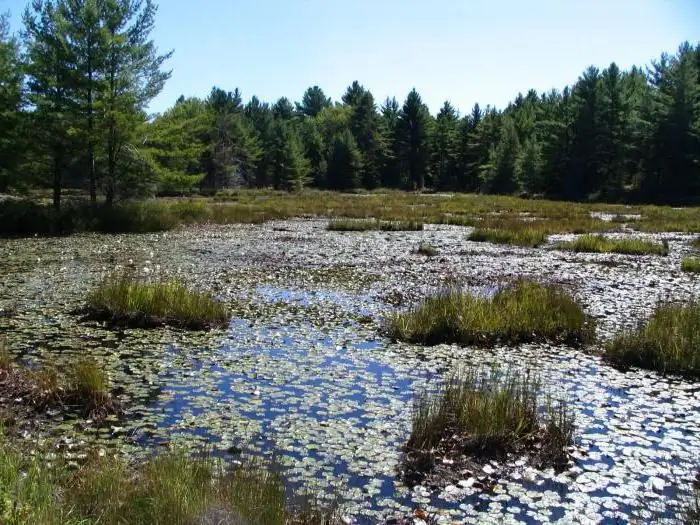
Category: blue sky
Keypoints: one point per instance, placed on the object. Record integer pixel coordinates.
(465, 51)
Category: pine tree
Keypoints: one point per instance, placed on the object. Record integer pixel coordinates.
(500, 168)
(344, 162)
(391, 173)
(445, 148)
(313, 101)
(365, 127)
(283, 109)
(289, 167)
(353, 94)
(414, 128)
(10, 104)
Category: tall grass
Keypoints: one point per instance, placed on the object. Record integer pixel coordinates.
(668, 342)
(525, 237)
(427, 249)
(601, 244)
(690, 265)
(351, 225)
(127, 301)
(168, 490)
(522, 311)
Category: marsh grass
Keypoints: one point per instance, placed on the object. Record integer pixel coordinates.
(695, 243)
(361, 225)
(129, 302)
(486, 414)
(690, 264)
(522, 311)
(169, 489)
(668, 342)
(601, 244)
(427, 250)
(526, 237)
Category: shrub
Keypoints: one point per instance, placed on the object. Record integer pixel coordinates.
(690, 265)
(522, 311)
(125, 301)
(601, 244)
(525, 237)
(668, 342)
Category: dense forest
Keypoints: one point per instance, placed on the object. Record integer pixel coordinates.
(76, 82)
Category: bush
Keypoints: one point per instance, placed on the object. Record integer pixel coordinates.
(522, 311)
(601, 244)
(525, 237)
(668, 342)
(125, 301)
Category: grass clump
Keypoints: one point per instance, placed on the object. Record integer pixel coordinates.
(171, 489)
(362, 225)
(669, 342)
(523, 311)
(400, 226)
(601, 244)
(690, 265)
(525, 237)
(427, 249)
(125, 301)
(478, 415)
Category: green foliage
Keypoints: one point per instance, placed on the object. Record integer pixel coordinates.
(10, 101)
(313, 102)
(601, 244)
(129, 302)
(519, 312)
(668, 342)
(522, 237)
(413, 130)
(427, 250)
(352, 225)
(344, 162)
(690, 264)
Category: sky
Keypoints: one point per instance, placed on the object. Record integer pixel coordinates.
(463, 51)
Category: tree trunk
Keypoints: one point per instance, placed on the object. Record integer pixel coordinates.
(57, 182)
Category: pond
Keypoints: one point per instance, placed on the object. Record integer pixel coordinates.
(304, 375)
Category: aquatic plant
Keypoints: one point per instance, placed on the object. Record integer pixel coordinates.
(521, 311)
(487, 414)
(690, 264)
(668, 342)
(524, 237)
(601, 244)
(127, 301)
(427, 249)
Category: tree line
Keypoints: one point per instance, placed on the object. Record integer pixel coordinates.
(75, 86)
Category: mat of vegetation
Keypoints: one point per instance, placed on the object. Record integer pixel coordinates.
(690, 264)
(601, 244)
(172, 489)
(478, 417)
(125, 301)
(668, 342)
(525, 237)
(521, 311)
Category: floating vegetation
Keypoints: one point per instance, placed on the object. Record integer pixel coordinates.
(125, 301)
(427, 249)
(355, 225)
(523, 237)
(602, 244)
(668, 342)
(478, 416)
(523, 311)
(173, 488)
(690, 264)
(82, 385)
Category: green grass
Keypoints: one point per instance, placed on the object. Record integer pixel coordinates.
(695, 243)
(490, 414)
(669, 342)
(601, 244)
(690, 264)
(525, 237)
(172, 489)
(427, 250)
(361, 225)
(522, 311)
(126, 301)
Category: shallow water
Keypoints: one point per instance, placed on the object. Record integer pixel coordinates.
(303, 374)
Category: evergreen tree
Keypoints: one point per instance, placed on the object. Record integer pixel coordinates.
(414, 127)
(283, 109)
(10, 104)
(315, 150)
(366, 129)
(389, 119)
(289, 166)
(353, 94)
(344, 162)
(445, 148)
(313, 101)
(500, 169)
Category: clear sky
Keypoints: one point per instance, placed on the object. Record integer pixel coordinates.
(464, 51)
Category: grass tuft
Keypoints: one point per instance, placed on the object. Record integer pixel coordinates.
(669, 342)
(362, 225)
(486, 414)
(125, 301)
(525, 237)
(427, 249)
(601, 244)
(523, 311)
(690, 265)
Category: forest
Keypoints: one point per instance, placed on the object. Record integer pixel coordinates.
(77, 79)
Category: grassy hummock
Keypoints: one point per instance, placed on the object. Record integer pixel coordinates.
(480, 415)
(427, 249)
(172, 489)
(522, 311)
(524, 237)
(690, 265)
(128, 302)
(361, 225)
(669, 342)
(602, 244)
